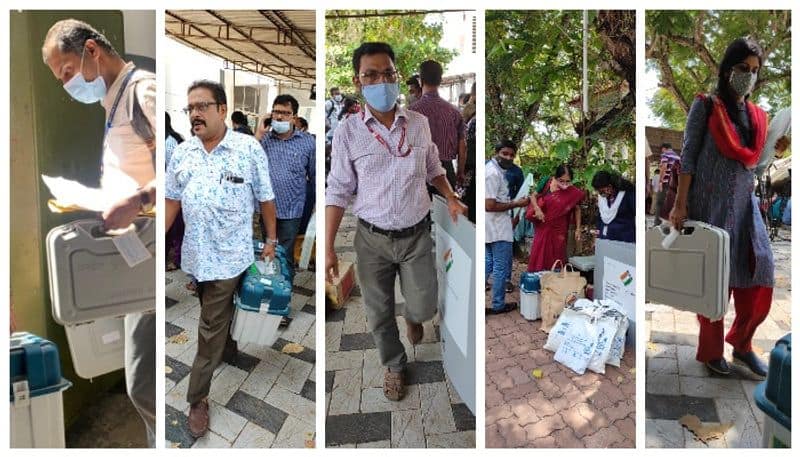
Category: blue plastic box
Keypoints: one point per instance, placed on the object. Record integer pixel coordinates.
(774, 396)
(36, 386)
(257, 290)
(530, 282)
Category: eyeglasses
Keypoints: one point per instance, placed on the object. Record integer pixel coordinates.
(372, 77)
(202, 107)
(282, 113)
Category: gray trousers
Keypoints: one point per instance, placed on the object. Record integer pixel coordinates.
(660, 197)
(380, 259)
(140, 368)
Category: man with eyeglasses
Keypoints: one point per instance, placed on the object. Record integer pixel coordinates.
(447, 125)
(214, 177)
(381, 162)
(290, 153)
(92, 71)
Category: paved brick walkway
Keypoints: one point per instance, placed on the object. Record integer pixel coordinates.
(266, 400)
(358, 414)
(677, 384)
(561, 409)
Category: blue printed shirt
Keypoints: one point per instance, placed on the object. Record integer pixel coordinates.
(170, 146)
(292, 169)
(218, 212)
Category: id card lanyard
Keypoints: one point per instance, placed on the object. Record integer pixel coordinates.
(385, 143)
(114, 109)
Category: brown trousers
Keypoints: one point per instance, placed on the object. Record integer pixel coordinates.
(213, 333)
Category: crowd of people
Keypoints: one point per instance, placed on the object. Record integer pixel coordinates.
(552, 207)
(216, 182)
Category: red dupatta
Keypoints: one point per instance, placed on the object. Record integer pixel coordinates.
(727, 139)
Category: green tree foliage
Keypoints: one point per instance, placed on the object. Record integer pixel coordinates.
(414, 39)
(533, 89)
(685, 48)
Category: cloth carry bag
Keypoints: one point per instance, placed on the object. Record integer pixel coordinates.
(557, 288)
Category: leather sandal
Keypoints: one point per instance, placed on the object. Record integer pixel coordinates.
(393, 385)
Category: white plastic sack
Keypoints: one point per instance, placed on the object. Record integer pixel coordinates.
(618, 344)
(580, 310)
(606, 330)
(578, 346)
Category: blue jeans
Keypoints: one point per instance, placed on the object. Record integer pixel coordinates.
(498, 259)
(287, 230)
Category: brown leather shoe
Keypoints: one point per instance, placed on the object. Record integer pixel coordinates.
(414, 331)
(198, 418)
(394, 387)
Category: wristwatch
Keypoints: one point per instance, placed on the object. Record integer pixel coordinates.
(272, 242)
(145, 204)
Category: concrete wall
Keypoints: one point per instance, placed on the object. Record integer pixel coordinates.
(54, 135)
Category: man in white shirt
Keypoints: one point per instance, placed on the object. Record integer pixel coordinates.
(499, 232)
(655, 187)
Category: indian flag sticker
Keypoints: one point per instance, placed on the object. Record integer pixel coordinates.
(448, 259)
(626, 278)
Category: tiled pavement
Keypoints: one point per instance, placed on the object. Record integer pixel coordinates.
(561, 409)
(266, 400)
(677, 384)
(358, 414)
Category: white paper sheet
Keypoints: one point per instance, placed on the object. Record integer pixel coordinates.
(72, 193)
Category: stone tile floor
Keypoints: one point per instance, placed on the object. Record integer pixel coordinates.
(266, 400)
(561, 409)
(358, 414)
(676, 384)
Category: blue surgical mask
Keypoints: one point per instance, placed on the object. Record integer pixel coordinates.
(381, 96)
(86, 91)
(281, 127)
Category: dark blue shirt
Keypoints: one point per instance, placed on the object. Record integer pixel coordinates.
(515, 178)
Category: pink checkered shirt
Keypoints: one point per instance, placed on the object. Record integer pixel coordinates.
(386, 190)
(447, 125)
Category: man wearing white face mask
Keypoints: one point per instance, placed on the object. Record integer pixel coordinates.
(382, 160)
(290, 153)
(91, 71)
(333, 106)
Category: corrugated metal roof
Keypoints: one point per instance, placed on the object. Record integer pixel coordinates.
(279, 44)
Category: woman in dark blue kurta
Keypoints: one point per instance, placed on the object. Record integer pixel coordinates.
(616, 219)
(723, 140)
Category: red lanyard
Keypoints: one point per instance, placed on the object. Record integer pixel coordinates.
(380, 139)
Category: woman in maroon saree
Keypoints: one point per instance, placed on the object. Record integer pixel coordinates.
(551, 213)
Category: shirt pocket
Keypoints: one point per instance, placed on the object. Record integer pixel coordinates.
(232, 197)
(369, 162)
